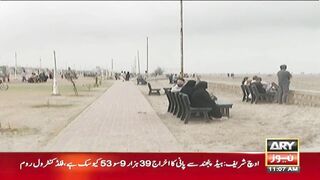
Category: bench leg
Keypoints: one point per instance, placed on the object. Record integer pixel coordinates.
(206, 116)
(187, 118)
(183, 116)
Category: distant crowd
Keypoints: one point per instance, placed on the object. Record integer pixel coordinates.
(36, 76)
(123, 75)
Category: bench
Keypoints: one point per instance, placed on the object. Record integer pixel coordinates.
(168, 94)
(249, 91)
(141, 81)
(176, 106)
(224, 107)
(188, 110)
(245, 95)
(259, 96)
(153, 91)
(167, 89)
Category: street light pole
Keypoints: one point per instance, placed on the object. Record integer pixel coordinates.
(138, 62)
(55, 89)
(112, 67)
(40, 66)
(147, 55)
(181, 36)
(15, 65)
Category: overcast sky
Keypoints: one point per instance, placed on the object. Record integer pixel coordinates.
(218, 36)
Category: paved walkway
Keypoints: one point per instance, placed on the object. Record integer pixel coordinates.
(121, 120)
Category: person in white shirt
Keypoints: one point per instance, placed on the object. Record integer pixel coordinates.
(178, 86)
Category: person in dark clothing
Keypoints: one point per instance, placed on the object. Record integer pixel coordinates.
(171, 79)
(244, 80)
(259, 85)
(201, 98)
(128, 76)
(284, 77)
(188, 88)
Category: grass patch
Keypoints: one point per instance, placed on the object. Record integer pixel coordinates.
(18, 131)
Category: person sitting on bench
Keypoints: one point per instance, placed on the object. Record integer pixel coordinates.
(201, 98)
(178, 86)
(259, 85)
(188, 88)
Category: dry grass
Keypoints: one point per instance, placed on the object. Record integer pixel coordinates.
(30, 115)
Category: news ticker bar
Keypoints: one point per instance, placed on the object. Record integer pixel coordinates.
(208, 164)
(163, 0)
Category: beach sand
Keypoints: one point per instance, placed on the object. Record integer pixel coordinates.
(248, 126)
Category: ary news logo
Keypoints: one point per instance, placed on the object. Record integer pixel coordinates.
(282, 155)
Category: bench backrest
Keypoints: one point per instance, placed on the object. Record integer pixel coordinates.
(186, 102)
(149, 85)
(243, 89)
(168, 96)
(180, 100)
(174, 99)
(247, 88)
(251, 91)
(255, 90)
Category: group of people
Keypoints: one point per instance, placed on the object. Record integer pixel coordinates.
(36, 76)
(174, 77)
(198, 95)
(262, 86)
(124, 76)
(280, 90)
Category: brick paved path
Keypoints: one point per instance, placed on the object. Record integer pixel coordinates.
(121, 120)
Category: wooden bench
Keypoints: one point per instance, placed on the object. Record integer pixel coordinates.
(245, 95)
(141, 81)
(153, 91)
(188, 110)
(167, 89)
(248, 93)
(259, 96)
(224, 107)
(168, 94)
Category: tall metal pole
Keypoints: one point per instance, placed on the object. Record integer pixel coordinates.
(111, 67)
(147, 55)
(181, 36)
(55, 89)
(40, 64)
(15, 65)
(138, 63)
(135, 65)
(107, 71)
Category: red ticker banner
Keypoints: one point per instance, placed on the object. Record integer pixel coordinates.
(152, 166)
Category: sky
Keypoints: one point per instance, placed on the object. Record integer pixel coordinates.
(219, 37)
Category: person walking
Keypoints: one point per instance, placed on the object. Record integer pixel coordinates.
(23, 74)
(284, 82)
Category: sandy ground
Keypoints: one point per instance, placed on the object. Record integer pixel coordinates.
(30, 116)
(246, 129)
